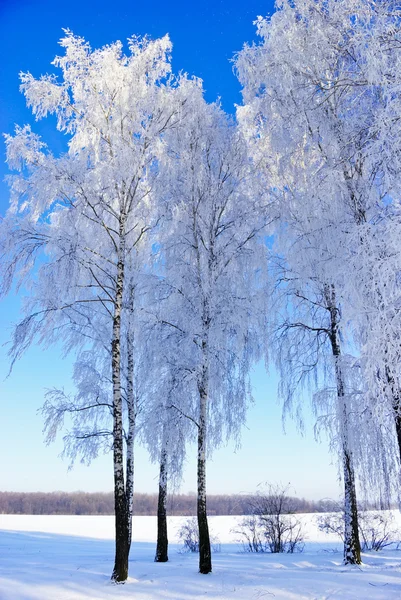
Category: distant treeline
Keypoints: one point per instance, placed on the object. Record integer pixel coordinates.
(83, 503)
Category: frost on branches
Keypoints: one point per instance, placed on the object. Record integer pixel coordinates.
(143, 251)
(143, 248)
(90, 211)
(321, 106)
(214, 276)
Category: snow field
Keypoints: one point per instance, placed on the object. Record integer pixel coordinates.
(71, 557)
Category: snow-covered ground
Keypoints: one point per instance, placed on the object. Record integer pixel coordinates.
(71, 558)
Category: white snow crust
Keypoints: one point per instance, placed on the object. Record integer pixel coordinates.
(71, 558)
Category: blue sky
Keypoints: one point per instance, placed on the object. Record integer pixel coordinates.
(205, 36)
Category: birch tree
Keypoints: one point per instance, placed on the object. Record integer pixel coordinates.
(166, 435)
(319, 110)
(166, 430)
(214, 256)
(91, 209)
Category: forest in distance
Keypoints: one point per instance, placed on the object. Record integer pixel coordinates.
(102, 503)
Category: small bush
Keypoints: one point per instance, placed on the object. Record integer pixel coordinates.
(188, 534)
(272, 526)
(377, 529)
(332, 523)
(251, 535)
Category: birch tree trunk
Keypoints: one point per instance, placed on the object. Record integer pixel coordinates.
(162, 539)
(120, 570)
(131, 434)
(205, 558)
(352, 547)
(397, 419)
(396, 404)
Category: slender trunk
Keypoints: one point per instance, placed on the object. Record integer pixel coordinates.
(131, 434)
(396, 404)
(205, 558)
(397, 419)
(120, 571)
(162, 540)
(352, 547)
(130, 477)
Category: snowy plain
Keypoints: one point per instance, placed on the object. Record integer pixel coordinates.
(71, 558)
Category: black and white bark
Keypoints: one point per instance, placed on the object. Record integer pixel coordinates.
(162, 538)
(205, 557)
(397, 420)
(131, 409)
(122, 528)
(396, 405)
(352, 547)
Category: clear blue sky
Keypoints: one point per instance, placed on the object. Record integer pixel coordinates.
(205, 36)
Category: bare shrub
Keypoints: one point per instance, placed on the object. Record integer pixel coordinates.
(332, 523)
(188, 534)
(377, 529)
(250, 534)
(272, 525)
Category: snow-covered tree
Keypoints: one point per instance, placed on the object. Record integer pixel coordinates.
(214, 271)
(166, 430)
(320, 108)
(166, 434)
(88, 212)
